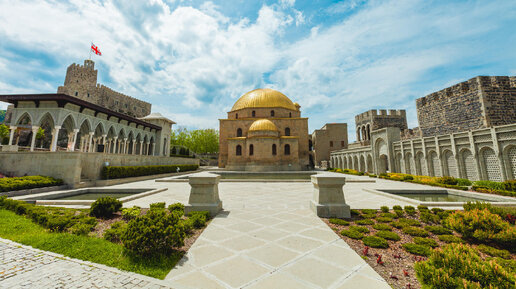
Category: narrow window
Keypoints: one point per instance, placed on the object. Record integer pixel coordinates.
(289, 114)
(239, 132)
(272, 112)
(88, 95)
(76, 93)
(236, 116)
(287, 149)
(238, 150)
(287, 131)
(274, 149)
(251, 150)
(342, 143)
(253, 113)
(331, 144)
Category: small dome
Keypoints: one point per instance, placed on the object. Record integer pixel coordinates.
(263, 125)
(263, 97)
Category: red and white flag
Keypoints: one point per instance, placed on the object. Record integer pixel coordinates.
(95, 49)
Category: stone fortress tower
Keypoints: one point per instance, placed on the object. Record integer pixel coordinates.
(377, 119)
(81, 82)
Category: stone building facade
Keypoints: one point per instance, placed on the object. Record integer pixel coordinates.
(481, 102)
(264, 131)
(81, 82)
(332, 136)
(478, 150)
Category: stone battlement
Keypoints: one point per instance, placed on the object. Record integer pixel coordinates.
(380, 112)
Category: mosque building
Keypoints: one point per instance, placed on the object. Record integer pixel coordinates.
(264, 131)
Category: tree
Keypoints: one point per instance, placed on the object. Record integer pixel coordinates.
(4, 134)
(200, 141)
(40, 135)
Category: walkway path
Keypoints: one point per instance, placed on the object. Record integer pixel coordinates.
(26, 267)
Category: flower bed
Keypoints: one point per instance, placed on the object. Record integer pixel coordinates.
(28, 182)
(404, 251)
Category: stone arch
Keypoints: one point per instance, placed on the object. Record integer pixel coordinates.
(122, 134)
(83, 135)
(408, 165)
(239, 132)
(364, 135)
(47, 116)
(350, 162)
(398, 166)
(69, 122)
(468, 164)
(510, 159)
(47, 124)
(131, 141)
(434, 164)
(381, 152)
(344, 162)
(287, 150)
(362, 164)
(490, 165)
(355, 163)
(238, 150)
(251, 149)
(287, 131)
(370, 168)
(275, 152)
(24, 119)
(358, 134)
(450, 165)
(368, 130)
(421, 164)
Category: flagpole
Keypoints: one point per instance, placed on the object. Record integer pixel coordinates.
(90, 49)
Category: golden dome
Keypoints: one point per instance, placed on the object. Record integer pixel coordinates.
(263, 125)
(263, 97)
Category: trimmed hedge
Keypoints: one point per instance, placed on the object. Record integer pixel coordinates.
(28, 182)
(119, 172)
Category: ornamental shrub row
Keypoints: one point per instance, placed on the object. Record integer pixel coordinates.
(118, 172)
(28, 182)
(459, 266)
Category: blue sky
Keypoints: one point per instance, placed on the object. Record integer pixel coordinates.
(193, 59)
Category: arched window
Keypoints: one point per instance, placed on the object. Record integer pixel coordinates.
(272, 112)
(76, 93)
(251, 150)
(287, 149)
(274, 149)
(253, 114)
(238, 150)
(289, 114)
(239, 132)
(236, 115)
(331, 144)
(287, 131)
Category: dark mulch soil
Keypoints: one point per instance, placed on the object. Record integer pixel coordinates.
(398, 265)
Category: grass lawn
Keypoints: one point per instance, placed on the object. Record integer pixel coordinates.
(23, 230)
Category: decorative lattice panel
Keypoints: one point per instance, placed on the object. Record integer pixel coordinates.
(470, 166)
(512, 159)
(451, 164)
(436, 166)
(491, 166)
(422, 165)
(507, 136)
(483, 138)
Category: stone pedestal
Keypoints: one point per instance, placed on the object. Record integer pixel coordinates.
(328, 199)
(204, 193)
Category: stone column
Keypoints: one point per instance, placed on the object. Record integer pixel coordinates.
(90, 142)
(153, 148)
(74, 139)
(11, 136)
(134, 148)
(204, 193)
(55, 134)
(141, 147)
(328, 198)
(115, 142)
(33, 139)
(104, 142)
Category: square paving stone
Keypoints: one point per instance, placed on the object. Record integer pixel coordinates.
(340, 256)
(243, 242)
(273, 255)
(278, 280)
(217, 234)
(298, 243)
(270, 234)
(293, 227)
(244, 227)
(316, 272)
(197, 279)
(205, 255)
(321, 234)
(267, 221)
(361, 281)
(237, 271)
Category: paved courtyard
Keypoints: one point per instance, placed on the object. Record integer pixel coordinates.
(266, 238)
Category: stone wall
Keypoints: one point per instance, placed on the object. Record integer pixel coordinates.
(332, 136)
(81, 82)
(480, 102)
(74, 167)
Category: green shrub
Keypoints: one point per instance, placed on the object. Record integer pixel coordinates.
(384, 209)
(206, 214)
(105, 207)
(429, 218)
(131, 213)
(198, 219)
(369, 211)
(489, 185)
(353, 234)
(27, 182)
(509, 185)
(114, 233)
(382, 227)
(339, 222)
(388, 215)
(177, 207)
(397, 208)
(375, 242)
(444, 214)
(415, 231)
(157, 206)
(422, 208)
(388, 235)
(369, 216)
(410, 210)
(404, 222)
(364, 222)
(438, 230)
(372, 175)
(416, 249)
(117, 172)
(507, 213)
(447, 180)
(463, 182)
(359, 228)
(399, 213)
(407, 178)
(81, 229)
(384, 220)
(504, 254)
(154, 233)
(436, 210)
(449, 239)
(458, 266)
(426, 242)
(355, 212)
(483, 226)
